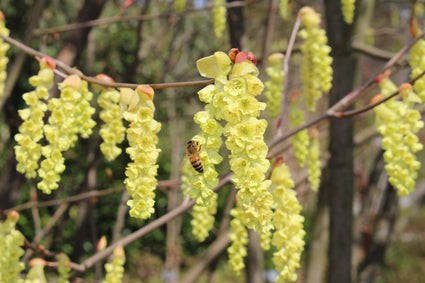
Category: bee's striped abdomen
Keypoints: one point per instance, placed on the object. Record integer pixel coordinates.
(196, 163)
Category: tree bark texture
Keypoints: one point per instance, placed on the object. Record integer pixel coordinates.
(340, 175)
(235, 20)
(76, 41)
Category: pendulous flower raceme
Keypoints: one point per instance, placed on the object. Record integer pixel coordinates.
(63, 268)
(70, 115)
(11, 251)
(112, 130)
(235, 103)
(239, 239)
(115, 269)
(4, 46)
(417, 63)
(313, 160)
(284, 9)
(219, 17)
(28, 149)
(141, 135)
(36, 273)
(209, 140)
(300, 141)
(398, 122)
(316, 70)
(275, 86)
(289, 233)
(347, 8)
(203, 218)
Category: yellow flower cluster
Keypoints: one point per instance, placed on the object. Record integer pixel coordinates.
(36, 272)
(63, 268)
(235, 103)
(275, 86)
(141, 135)
(289, 233)
(417, 63)
(203, 218)
(70, 115)
(10, 242)
(398, 122)
(347, 8)
(4, 46)
(115, 269)
(112, 130)
(316, 70)
(180, 5)
(300, 141)
(313, 160)
(219, 17)
(28, 149)
(283, 9)
(209, 138)
(239, 239)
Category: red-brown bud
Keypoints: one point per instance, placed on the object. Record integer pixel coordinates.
(232, 54)
(146, 89)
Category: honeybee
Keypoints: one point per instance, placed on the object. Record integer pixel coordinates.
(192, 152)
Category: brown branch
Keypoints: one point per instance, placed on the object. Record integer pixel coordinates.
(372, 51)
(373, 105)
(335, 110)
(56, 202)
(115, 19)
(271, 22)
(80, 197)
(39, 236)
(186, 205)
(288, 54)
(68, 70)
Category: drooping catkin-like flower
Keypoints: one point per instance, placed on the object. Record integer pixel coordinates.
(141, 135)
(180, 5)
(28, 149)
(36, 272)
(239, 239)
(316, 70)
(347, 8)
(245, 140)
(417, 63)
(112, 130)
(209, 142)
(203, 218)
(398, 122)
(300, 141)
(219, 17)
(235, 103)
(289, 233)
(284, 9)
(70, 115)
(275, 86)
(63, 268)
(11, 251)
(313, 160)
(115, 269)
(4, 46)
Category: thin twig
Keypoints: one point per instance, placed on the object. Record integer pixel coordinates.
(82, 196)
(288, 54)
(39, 236)
(69, 71)
(115, 19)
(373, 105)
(335, 110)
(186, 205)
